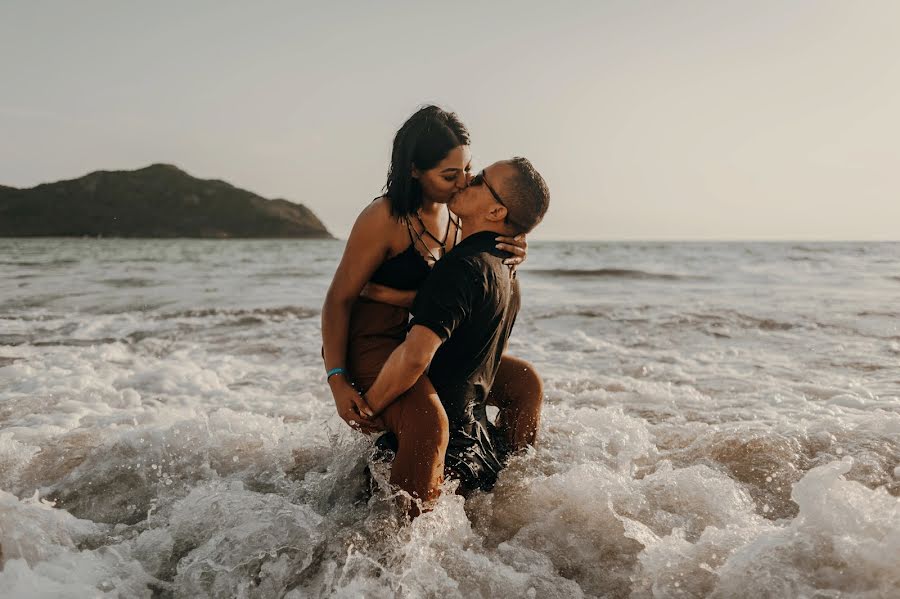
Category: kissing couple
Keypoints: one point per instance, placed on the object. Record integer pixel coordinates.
(417, 318)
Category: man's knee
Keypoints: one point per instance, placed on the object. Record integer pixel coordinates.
(533, 381)
(524, 379)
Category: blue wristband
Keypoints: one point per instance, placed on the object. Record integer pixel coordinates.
(335, 371)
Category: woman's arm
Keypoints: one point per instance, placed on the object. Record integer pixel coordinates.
(517, 246)
(367, 246)
(388, 295)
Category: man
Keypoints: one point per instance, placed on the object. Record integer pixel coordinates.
(462, 319)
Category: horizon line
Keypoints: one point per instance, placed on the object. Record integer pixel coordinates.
(555, 240)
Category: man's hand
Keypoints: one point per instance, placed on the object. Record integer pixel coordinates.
(376, 407)
(352, 408)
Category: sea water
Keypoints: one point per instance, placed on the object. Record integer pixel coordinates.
(720, 420)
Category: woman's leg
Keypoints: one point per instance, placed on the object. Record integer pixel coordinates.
(519, 392)
(417, 417)
(420, 423)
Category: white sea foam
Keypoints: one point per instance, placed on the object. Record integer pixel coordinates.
(724, 425)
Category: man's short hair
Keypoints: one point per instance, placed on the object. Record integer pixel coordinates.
(526, 195)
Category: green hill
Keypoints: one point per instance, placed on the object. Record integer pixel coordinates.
(157, 201)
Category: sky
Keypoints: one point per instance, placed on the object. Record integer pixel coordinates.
(693, 120)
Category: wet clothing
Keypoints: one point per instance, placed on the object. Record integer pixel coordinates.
(417, 437)
(471, 296)
(408, 269)
(470, 300)
(376, 329)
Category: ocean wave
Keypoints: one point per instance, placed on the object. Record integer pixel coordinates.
(14, 339)
(712, 320)
(38, 317)
(129, 282)
(732, 318)
(75, 342)
(613, 273)
(287, 273)
(803, 259)
(33, 263)
(813, 250)
(35, 301)
(877, 313)
(279, 313)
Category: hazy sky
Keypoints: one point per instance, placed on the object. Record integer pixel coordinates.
(649, 120)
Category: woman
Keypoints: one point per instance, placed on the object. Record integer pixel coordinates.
(391, 248)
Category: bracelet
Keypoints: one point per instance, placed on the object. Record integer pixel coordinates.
(335, 371)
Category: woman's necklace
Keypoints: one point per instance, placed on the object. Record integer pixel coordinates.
(442, 244)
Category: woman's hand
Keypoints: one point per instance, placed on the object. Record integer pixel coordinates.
(517, 246)
(388, 295)
(351, 407)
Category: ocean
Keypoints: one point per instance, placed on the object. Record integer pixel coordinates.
(720, 420)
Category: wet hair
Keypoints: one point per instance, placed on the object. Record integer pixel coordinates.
(423, 141)
(526, 195)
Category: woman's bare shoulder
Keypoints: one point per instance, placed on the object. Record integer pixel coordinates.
(378, 214)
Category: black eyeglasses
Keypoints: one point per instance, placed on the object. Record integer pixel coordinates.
(479, 179)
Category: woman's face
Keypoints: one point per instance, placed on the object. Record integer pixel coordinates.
(450, 175)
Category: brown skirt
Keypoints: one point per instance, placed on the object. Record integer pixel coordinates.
(375, 331)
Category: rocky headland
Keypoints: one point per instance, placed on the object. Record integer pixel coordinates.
(160, 200)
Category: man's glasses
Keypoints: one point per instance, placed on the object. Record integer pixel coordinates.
(479, 179)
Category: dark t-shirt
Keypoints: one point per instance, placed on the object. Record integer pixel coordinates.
(470, 300)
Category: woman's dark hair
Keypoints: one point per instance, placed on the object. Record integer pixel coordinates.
(423, 141)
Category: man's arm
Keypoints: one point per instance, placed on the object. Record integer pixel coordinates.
(443, 302)
(403, 367)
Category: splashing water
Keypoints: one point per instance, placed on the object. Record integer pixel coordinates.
(720, 420)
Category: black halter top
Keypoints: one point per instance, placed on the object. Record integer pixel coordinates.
(408, 269)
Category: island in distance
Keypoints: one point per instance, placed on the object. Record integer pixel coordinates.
(160, 200)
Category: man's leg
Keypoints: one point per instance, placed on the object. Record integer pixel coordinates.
(420, 423)
(519, 392)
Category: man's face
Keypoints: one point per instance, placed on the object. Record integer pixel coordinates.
(476, 200)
